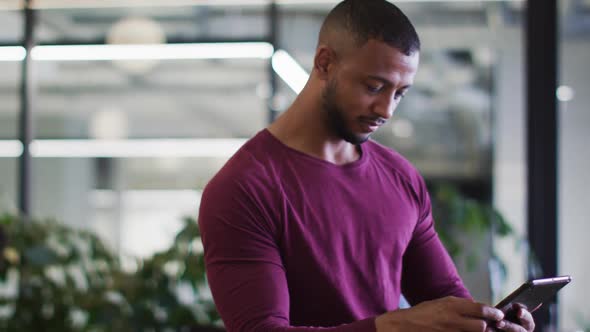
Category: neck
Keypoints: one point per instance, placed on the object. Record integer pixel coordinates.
(303, 127)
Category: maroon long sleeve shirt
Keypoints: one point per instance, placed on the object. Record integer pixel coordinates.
(297, 244)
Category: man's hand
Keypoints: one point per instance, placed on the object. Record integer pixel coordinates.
(449, 314)
(527, 324)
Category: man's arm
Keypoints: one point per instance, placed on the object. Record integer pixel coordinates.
(431, 282)
(428, 272)
(244, 266)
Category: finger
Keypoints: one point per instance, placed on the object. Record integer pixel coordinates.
(482, 311)
(469, 325)
(505, 325)
(526, 319)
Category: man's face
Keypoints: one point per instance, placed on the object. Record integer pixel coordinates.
(365, 89)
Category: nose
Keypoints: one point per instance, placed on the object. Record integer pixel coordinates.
(385, 106)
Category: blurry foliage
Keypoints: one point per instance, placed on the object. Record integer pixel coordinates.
(456, 214)
(56, 278)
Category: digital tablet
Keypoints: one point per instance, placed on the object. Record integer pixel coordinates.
(531, 295)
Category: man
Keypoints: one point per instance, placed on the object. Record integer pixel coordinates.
(310, 226)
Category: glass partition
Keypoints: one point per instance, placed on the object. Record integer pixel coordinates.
(574, 160)
(10, 79)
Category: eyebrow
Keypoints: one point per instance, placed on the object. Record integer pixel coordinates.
(388, 82)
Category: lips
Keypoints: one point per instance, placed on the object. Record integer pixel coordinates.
(371, 125)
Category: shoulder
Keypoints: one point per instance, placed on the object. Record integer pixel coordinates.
(383, 156)
(247, 167)
(246, 180)
(411, 180)
(242, 193)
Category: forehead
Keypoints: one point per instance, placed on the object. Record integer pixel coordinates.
(378, 58)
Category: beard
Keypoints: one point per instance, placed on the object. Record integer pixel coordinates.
(335, 116)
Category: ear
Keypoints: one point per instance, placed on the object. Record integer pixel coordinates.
(324, 61)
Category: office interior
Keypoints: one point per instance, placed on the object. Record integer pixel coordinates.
(122, 146)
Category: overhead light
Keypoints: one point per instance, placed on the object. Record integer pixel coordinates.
(259, 50)
(131, 148)
(138, 148)
(284, 65)
(11, 148)
(243, 50)
(289, 70)
(565, 93)
(12, 53)
(136, 30)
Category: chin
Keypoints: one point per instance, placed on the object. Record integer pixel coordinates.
(364, 138)
(357, 139)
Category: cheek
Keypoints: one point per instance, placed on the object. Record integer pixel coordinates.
(355, 100)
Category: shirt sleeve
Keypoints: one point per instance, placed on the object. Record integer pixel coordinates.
(243, 261)
(428, 271)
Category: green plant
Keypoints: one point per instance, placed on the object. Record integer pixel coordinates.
(457, 214)
(173, 281)
(56, 278)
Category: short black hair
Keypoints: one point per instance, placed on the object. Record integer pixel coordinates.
(374, 19)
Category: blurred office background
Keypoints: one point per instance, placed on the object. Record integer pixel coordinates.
(462, 123)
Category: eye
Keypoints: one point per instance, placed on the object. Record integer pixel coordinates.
(374, 88)
(400, 95)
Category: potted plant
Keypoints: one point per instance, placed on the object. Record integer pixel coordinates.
(57, 278)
